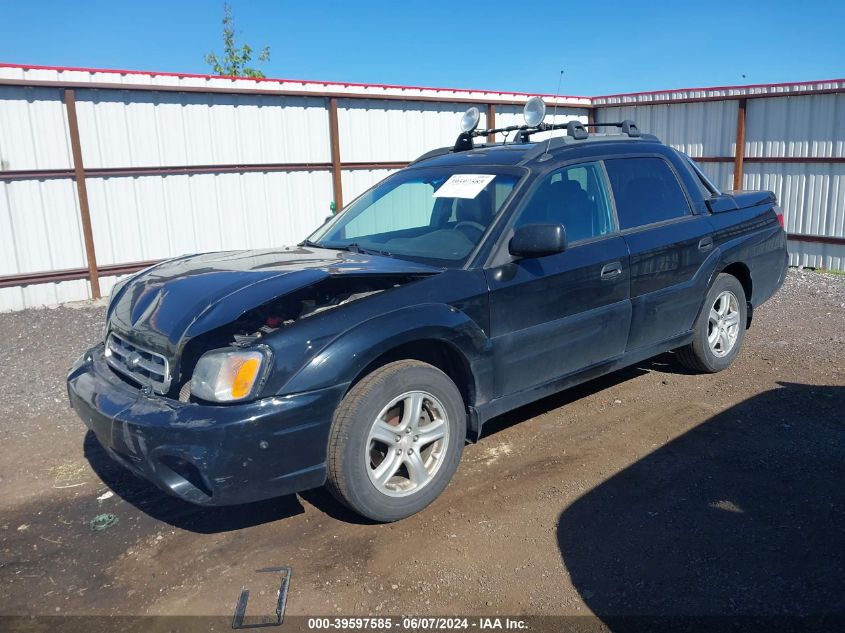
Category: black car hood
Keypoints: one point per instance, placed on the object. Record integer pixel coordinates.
(179, 299)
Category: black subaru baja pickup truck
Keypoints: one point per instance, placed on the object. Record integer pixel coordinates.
(475, 280)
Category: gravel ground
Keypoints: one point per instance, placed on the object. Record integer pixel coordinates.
(651, 491)
(37, 347)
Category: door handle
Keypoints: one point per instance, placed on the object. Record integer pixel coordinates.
(705, 243)
(611, 271)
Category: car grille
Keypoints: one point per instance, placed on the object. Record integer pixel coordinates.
(141, 365)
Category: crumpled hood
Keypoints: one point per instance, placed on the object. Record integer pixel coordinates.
(178, 299)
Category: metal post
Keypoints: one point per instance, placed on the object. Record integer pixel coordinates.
(739, 155)
(334, 139)
(82, 191)
(491, 121)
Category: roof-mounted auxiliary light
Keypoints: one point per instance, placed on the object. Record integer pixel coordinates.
(534, 111)
(469, 123)
(470, 119)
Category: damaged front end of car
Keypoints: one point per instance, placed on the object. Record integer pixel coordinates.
(249, 340)
(188, 388)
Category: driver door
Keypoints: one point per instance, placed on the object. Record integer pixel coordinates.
(556, 315)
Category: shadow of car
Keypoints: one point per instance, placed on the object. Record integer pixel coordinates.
(737, 524)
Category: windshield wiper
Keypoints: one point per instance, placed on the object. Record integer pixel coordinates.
(354, 247)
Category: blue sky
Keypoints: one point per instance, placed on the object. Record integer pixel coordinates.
(485, 44)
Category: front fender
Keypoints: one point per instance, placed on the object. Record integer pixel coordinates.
(343, 358)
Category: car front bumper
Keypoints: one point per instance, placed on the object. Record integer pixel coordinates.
(207, 454)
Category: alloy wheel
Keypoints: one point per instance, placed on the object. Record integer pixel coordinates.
(407, 443)
(723, 324)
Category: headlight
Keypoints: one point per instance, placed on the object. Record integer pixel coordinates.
(228, 375)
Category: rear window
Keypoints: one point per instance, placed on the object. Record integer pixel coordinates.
(646, 190)
(705, 185)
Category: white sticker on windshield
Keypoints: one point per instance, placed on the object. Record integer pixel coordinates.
(463, 186)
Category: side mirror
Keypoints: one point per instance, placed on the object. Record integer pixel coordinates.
(536, 240)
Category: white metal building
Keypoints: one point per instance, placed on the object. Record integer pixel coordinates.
(102, 171)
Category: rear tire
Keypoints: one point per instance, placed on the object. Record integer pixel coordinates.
(396, 440)
(719, 330)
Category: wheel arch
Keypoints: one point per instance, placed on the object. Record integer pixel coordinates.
(439, 353)
(742, 273)
(434, 333)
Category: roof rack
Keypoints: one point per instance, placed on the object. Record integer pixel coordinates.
(575, 131)
(542, 149)
(578, 130)
(627, 126)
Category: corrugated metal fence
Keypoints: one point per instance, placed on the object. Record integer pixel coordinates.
(103, 171)
(787, 138)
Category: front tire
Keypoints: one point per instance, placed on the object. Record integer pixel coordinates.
(719, 330)
(396, 440)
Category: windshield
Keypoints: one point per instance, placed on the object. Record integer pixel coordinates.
(433, 215)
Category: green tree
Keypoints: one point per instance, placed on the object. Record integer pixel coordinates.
(235, 61)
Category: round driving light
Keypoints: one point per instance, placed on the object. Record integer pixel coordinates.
(469, 121)
(534, 111)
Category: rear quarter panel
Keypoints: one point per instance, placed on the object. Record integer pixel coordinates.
(752, 236)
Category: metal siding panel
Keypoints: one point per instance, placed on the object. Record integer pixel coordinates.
(812, 195)
(298, 203)
(382, 131)
(796, 126)
(153, 217)
(43, 295)
(810, 255)
(39, 230)
(33, 129)
(40, 225)
(172, 147)
(141, 78)
(8, 246)
(715, 92)
(130, 129)
(698, 129)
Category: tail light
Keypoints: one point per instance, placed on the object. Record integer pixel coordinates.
(779, 213)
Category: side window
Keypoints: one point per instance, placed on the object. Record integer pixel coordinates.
(576, 197)
(645, 190)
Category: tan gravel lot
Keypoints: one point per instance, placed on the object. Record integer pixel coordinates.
(652, 491)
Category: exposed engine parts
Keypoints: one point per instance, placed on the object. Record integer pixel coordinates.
(285, 311)
(307, 302)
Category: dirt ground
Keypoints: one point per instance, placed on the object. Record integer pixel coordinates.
(652, 491)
